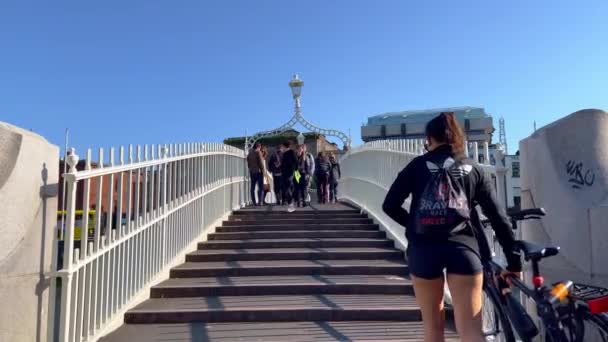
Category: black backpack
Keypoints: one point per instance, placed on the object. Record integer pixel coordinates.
(443, 207)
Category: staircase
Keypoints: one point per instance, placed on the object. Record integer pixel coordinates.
(326, 274)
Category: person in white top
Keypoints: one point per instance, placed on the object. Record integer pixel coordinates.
(269, 195)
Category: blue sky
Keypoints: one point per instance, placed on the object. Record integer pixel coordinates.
(140, 71)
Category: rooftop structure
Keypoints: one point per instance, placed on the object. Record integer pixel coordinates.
(411, 124)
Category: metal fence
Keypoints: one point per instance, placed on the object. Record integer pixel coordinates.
(137, 217)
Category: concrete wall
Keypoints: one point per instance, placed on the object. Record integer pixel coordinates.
(564, 168)
(28, 174)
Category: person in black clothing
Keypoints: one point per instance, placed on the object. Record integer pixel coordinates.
(317, 177)
(274, 166)
(458, 253)
(334, 177)
(289, 165)
(255, 163)
(323, 173)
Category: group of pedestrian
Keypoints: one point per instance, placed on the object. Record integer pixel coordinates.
(327, 176)
(286, 176)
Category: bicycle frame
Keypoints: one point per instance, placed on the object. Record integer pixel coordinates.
(544, 307)
(588, 301)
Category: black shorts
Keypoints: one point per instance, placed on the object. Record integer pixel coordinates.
(428, 260)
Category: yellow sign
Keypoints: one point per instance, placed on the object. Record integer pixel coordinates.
(78, 222)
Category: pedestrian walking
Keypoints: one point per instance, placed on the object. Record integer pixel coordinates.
(305, 170)
(444, 241)
(256, 174)
(323, 173)
(334, 177)
(289, 167)
(274, 166)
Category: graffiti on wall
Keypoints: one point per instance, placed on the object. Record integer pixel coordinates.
(579, 176)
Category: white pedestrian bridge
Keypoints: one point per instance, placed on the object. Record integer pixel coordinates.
(148, 207)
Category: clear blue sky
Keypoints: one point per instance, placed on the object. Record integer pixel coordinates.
(140, 71)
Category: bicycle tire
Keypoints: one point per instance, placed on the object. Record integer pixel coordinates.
(495, 323)
(592, 327)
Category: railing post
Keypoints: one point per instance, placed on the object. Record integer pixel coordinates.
(476, 152)
(68, 249)
(486, 153)
(501, 191)
(164, 205)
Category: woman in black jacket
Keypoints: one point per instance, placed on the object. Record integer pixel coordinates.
(455, 250)
(289, 164)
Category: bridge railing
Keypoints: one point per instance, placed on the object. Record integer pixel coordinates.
(138, 216)
(369, 170)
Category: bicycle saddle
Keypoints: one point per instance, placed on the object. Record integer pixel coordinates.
(520, 215)
(535, 252)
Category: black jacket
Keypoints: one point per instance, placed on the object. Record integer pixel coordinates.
(479, 190)
(274, 164)
(289, 164)
(323, 166)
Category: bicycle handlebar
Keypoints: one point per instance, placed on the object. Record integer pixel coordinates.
(521, 215)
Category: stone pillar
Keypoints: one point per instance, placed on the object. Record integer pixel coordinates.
(564, 168)
(29, 172)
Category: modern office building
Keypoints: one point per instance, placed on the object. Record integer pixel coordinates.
(410, 124)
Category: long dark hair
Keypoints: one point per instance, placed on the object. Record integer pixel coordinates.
(445, 129)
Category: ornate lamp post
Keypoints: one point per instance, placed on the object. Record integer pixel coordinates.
(296, 85)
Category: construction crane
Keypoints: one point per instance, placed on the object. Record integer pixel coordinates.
(502, 135)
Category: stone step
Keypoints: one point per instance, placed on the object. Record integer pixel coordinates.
(289, 267)
(276, 308)
(276, 332)
(294, 215)
(364, 253)
(299, 234)
(281, 211)
(279, 227)
(294, 243)
(296, 222)
(282, 285)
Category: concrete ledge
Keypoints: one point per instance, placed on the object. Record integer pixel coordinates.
(29, 168)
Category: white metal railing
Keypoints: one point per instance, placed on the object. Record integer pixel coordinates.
(369, 170)
(148, 210)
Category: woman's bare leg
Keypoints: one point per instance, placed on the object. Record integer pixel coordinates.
(466, 298)
(429, 296)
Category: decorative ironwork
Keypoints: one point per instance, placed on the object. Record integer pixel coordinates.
(295, 119)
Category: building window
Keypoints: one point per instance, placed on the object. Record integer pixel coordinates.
(517, 202)
(515, 169)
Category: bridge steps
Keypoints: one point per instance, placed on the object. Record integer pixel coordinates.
(318, 331)
(284, 228)
(317, 252)
(289, 267)
(268, 276)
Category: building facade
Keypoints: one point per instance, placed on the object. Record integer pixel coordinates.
(513, 187)
(476, 123)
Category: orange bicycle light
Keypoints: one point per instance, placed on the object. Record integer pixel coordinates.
(560, 291)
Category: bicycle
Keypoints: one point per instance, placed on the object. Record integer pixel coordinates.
(565, 308)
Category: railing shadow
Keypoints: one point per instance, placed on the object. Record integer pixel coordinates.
(44, 282)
